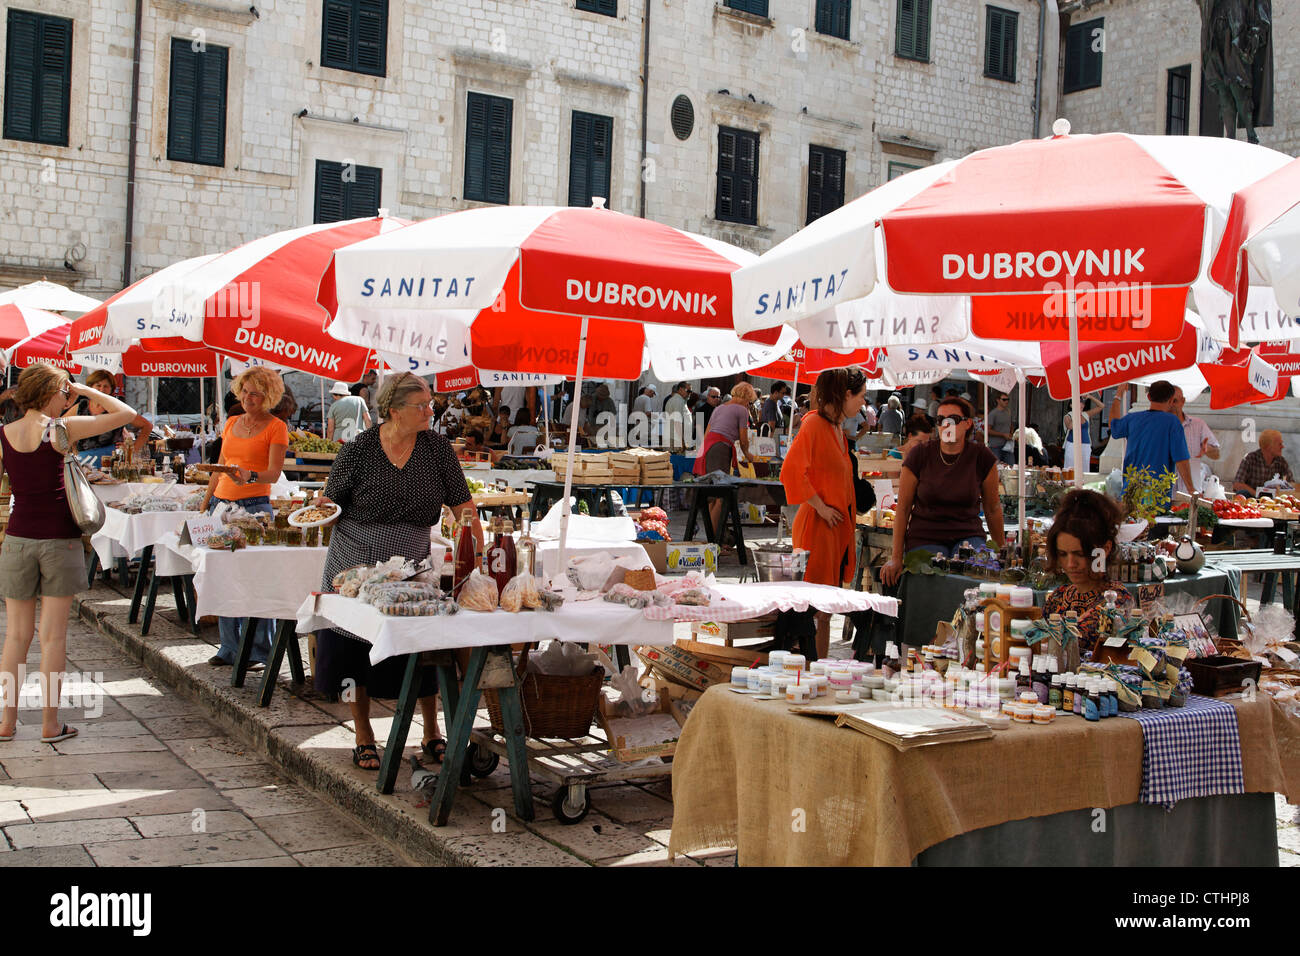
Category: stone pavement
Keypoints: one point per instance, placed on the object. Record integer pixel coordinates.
(151, 781)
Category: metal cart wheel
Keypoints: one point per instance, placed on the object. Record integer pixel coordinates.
(482, 762)
(569, 806)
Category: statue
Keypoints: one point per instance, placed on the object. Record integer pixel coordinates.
(1237, 62)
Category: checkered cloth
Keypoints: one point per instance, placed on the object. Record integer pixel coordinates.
(1191, 751)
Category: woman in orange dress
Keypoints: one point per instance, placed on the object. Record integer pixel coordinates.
(818, 476)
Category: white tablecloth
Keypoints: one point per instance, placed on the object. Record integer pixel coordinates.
(548, 553)
(124, 535)
(741, 602)
(515, 479)
(111, 494)
(597, 622)
(265, 581)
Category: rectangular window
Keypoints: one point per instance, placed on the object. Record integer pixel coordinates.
(897, 169)
(912, 33)
(737, 176)
(1178, 101)
(346, 191)
(38, 78)
(825, 181)
(1084, 45)
(833, 17)
(756, 7)
(1001, 34)
(590, 147)
(607, 7)
(487, 148)
(196, 105)
(354, 36)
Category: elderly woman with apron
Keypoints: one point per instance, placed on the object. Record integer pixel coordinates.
(391, 482)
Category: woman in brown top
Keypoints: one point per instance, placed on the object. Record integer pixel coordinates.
(940, 491)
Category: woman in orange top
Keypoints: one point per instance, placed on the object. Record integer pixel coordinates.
(818, 476)
(254, 443)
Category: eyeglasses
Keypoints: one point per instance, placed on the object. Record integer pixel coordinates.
(953, 419)
(251, 394)
(425, 406)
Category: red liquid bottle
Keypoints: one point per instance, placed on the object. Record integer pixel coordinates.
(508, 541)
(446, 579)
(466, 554)
(497, 557)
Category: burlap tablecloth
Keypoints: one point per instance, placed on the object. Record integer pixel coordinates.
(798, 791)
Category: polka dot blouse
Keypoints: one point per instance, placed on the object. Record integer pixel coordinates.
(371, 490)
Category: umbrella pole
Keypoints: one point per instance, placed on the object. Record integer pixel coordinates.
(1022, 523)
(573, 443)
(322, 408)
(1076, 425)
(795, 391)
(986, 414)
(546, 420)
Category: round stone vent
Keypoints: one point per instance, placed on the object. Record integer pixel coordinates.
(683, 117)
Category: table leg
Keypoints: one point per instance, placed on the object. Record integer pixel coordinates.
(94, 566)
(296, 672)
(692, 514)
(284, 633)
(458, 740)
(245, 651)
(123, 571)
(735, 521)
(512, 716)
(193, 601)
(151, 599)
(138, 595)
(622, 656)
(392, 759)
(178, 592)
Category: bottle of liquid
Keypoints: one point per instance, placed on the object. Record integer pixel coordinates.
(1112, 698)
(447, 578)
(1040, 683)
(1067, 693)
(1024, 680)
(466, 554)
(1080, 692)
(1054, 693)
(891, 665)
(1092, 703)
(497, 557)
(508, 542)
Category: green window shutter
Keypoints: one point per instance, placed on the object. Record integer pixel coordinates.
(756, 7)
(210, 116)
(912, 36)
(182, 102)
(329, 192)
(361, 196)
(1082, 62)
(487, 148)
(1000, 36)
(825, 181)
(833, 17)
(38, 78)
(196, 122)
(589, 158)
(607, 7)
(335, 34)
(372, 36)
(737, 177)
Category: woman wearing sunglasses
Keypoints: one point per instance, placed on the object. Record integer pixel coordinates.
(940, 491)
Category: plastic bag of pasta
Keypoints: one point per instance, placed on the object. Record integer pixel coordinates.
(521, 592)
(479, 593)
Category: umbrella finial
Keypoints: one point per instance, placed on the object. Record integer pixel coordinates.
(1061, 127)
(597, 202)
(383, 213)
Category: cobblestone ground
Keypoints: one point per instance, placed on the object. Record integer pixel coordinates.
(149, 781)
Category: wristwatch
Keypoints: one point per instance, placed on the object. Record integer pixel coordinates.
(252, 477)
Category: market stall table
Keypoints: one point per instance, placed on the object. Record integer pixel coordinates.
(132, 534)
(546, 492)
(111, 494)
(490, 636)
(264, 582)
(744, 768)
(1247, 562)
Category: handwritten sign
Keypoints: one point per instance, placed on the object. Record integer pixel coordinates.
(199, 530)
(1149, 594)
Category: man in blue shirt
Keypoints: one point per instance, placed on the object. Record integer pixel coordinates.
(1155, 437)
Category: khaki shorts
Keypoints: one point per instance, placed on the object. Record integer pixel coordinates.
(54, 567)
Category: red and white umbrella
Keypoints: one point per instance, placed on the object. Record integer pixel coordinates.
(19, 323)
(49, 296)
(1261, 244)
(1072, 238)
(557, 290)
(48, 348)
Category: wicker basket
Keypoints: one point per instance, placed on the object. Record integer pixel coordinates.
(553, 706)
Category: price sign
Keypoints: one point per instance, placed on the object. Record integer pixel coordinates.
(200, 530)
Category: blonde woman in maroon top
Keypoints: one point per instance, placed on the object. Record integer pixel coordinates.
(42, 552)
